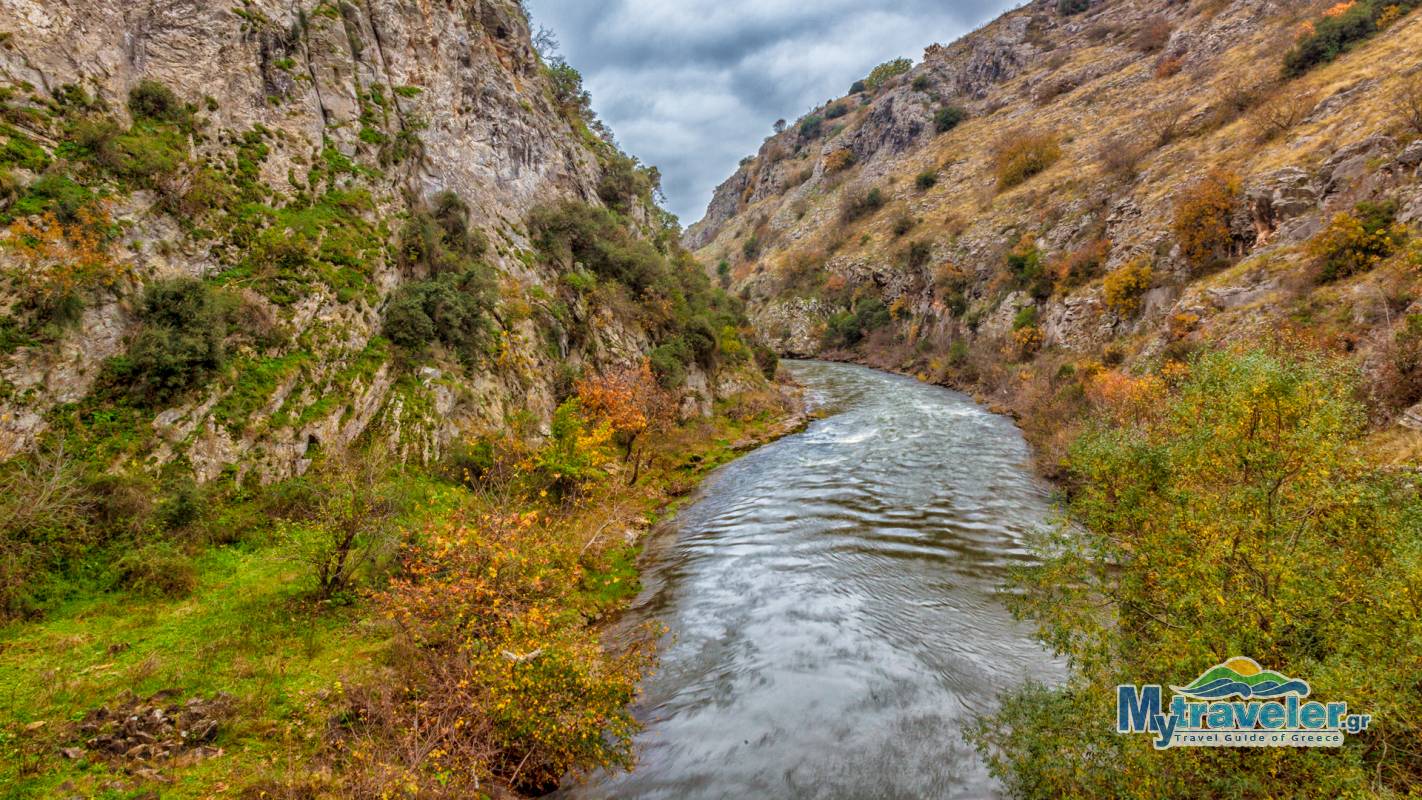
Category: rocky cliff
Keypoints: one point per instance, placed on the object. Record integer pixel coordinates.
(1117, 182)
(297, 158)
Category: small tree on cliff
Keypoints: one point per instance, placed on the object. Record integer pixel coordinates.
(633, 404)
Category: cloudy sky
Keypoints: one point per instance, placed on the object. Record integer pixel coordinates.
(693, 86)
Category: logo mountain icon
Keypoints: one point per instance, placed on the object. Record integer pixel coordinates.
(1243, 678)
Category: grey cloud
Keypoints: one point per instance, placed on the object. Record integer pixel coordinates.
(693, 85)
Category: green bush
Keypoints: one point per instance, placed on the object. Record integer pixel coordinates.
(926, 180)
(1359, 241)
(811, 126)
(1224, 517)
(450, 308)
(1331, 36)
(848, 328)
(181, 343)
(857, 87)
(439, 239)
(670, 360)
(766, 359)
(1028, 268)
(1026, 318)
(159, 570)
(836, 110)
(948, 117)
(680, 303)
(1069, 7)
(624, 184)
(886, 71)
(152, 100)
(54, 192)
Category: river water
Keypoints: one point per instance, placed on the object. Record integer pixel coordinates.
(832, 604)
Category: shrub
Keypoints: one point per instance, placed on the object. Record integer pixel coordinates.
(1280, 113)
(766, 359)
(811, 126)
(839, 161)
(1174, 528)
(158, 569)
(670, 360)
(1026, 317)
(1082, 264)
(1152, 35)
(1021, 155)
(1339, 29)
(1169, 66)
(1124, 288)
(918, 254)
(45, 512)
(1027, 342)
(885, 71)
(836, 110)
(624, 183)
(1401, 383)
(860, 202)
(1070, 7)
(1407, 103)
(59, 261)
(351, 528)
(857, 87)
(1026, 265)
(922, 83)
(926, 180)
(493, 672)
(848, 328)
(152, 100)
(948, 117)
(181, 343)
(1357, 242)
(903, 223)
(451, 309)
(1201, 221)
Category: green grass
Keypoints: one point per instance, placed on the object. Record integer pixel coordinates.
(251, 630)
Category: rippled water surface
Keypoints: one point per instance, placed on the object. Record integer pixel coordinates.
(832, 608)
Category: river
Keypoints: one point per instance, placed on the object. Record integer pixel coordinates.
(832, 604)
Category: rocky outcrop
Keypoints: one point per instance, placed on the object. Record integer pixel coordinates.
(396, 101)
(1142, 100)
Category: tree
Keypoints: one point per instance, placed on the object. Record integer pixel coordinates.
(1202, 219)
(353, 524)
(632, 403)
(779, 126)
(1237, 514)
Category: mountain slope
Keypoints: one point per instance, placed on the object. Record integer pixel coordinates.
(1127, 184)
(298, 158)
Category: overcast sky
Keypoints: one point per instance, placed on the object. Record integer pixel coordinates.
(693, 86)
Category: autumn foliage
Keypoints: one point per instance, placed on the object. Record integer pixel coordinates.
(1202, 219)
(1235, 512)
(631, 402)
(497, 679)
(59, 259)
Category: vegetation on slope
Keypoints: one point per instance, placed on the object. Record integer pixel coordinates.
(1230, 508)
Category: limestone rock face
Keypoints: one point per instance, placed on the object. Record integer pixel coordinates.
(399, 100)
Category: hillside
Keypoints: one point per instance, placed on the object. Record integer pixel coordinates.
(344, 362)
(1080, 187)
(300, 158)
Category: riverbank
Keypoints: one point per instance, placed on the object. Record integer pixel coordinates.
(256, 680)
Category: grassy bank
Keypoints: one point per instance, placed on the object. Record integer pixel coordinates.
(312, 684)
